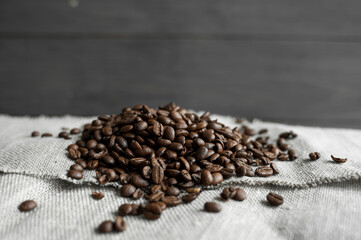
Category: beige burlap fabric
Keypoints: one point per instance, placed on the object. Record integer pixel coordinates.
(321, 197)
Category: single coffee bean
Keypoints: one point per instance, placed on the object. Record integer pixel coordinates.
(35, 134)
(241, 171)
(172, 191)
(274, 199)
(127, 190)
(125, 209)
(162, 205)
(264, 171)
(63, 134)
(97, 195)
(46, 135)
(152, 211)
(338, 160)
(314, 155)
(283, 157)
(120, 225)
(240, 194)
(190, 197)
(75, 174)
(217, 178)
(106, 226)
(207, 178)
(139, 182)
(171, 201)
(274, 168)
(75, 131)
(138, 194)
(27, 206)
(288, 135)
(157, 174)
(77, 167)
(81, 162)
(292, 154)
(212, 207)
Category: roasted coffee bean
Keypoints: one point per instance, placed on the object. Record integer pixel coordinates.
(338, 160)
(169, 133)
(288, 135)
(46, 135)
(212, 207)
(274, 199)
(264, 171)
(239, 195)
(172, 191)
(77, 167)
(250, 173)
(97, 195)
(155, 197)
(157, 174)
(74, 154)
(106, 226)
(27, 206)
(292, 154)
(35, 134)
(125, 209)
(241, 171)
(190, 197)
(283, 157)
(81, 162)
(228, 193)
(158, 129)
(201, 153)
(217, 178)
(314, 155)
(75, 174)
(152, 211)
(193, 190)
(92, 164)
(207, 178)
(139, 182)
(162, 205)
(119, 224)
(274, 168)
(75, 131)
(262, 131)
(127, 190)
(63, 134)
(171, 201)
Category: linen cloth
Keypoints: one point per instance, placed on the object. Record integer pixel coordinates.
(322, 198)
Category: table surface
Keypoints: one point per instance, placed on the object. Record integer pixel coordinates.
(295, 62)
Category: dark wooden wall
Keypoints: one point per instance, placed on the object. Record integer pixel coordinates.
(282, 60)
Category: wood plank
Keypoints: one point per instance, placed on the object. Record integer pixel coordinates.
(252, 79)
(278, 18)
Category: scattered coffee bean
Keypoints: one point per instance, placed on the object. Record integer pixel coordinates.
(35, 134)
(314, 155)
(120, 225)
(264, 171)
(106, 226)
(228, 193)
(125, 209)
(75, 174)
(27, 205)
(240, 194)
(212, 207)
(338, 160)
(97, 195)
(190, 197)
(46, 135)
(127, 190)
(274, 199)
(63, 134)
(274, 168)
(75, 131)
(152, 211)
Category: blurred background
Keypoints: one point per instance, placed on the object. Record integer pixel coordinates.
(288, 61)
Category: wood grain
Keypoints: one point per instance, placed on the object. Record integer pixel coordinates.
(307, 19)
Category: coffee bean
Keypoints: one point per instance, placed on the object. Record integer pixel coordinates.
(264, 171)
(338, 160)
(189, 197)
(75, 131)
(125, 209)
(75, 174)
(74, 154)
(217, 178)
(63, 134)
(93, 164)
(172, 191)
(119, 224)
(240, 194)
(152, 211)
(201, 153)
(46, 135)
(97, 195)
(314, 155)
(106, 226)
(207, 178)
(241, 171)
(139, 182)
(27, 206)
(158, 129)
(77, 167)
(35, 134)
(274, 168)
(171, 201)
(169, 133)
(288, 135)
(212, 207)
(162, 205)
(274, 199)
(127, 190)
(292, 154)
(157, 174)
(283, 157)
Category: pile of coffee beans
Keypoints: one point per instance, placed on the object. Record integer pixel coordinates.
(168, 155)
